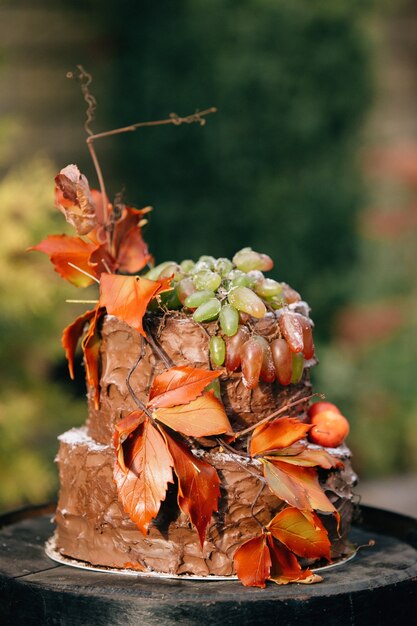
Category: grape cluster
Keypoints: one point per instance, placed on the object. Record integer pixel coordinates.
(233, 292)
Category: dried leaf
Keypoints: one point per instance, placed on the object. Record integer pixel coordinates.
(310, 458)
(179, 385)
(91, 348)
(284, 566)
(202, 417)
(74, 200)
(127, 297)
(303, 535)
(149, 470)
(72, 335)
(63, 250)
(280, 433)
(298, 486)
(253, 562)
(198, 485)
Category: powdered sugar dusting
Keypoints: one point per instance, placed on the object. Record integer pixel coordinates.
(79, 436)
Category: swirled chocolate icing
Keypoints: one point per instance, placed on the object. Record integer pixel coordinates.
(91, 523)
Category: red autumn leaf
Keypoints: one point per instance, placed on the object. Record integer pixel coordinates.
(72, 335)
(198, 485)
(101, 261)
(179, 385)
(129, 219)
(123, 429)
(285, 568)
(127, 297)
(280, 433)
(253, 562)
(63, 250)
(149, 470)
(308, 458)
(303, 535)
(298, 486)
(202, 417)
(91, 348)
(73, 198)
(133, 253)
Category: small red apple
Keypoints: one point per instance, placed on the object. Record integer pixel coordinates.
(329, 429)
(319, 407)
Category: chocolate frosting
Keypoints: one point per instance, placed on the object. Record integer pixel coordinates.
(91, 523)
(92, 527)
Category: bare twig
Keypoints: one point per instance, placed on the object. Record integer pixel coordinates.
(139, 402)
(283, 409)
(168, 362)
(82, 301)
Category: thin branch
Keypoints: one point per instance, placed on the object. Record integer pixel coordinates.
(174, 119)
(252, 509)
(82, 301)
(233, 450)
(168, 362)
(139, 402)
(283, 409)
(83, 272)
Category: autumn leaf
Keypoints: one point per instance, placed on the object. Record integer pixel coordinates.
(74, 200)
(63, 250)
(304, 535)
(280, 433)
(127, 297)
(308, 458)
(123, 429)
(133, 253)
(202, 417)
(252, 562)
(285, 568)
(91, 348)
(179, 385)
(149, 470)
(198, 485)
(72, 335)
(298, 486)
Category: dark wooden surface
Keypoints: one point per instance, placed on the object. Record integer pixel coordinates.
(379, 586)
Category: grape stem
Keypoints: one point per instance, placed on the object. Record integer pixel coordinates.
(283, 409)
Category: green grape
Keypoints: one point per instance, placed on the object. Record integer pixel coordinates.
(170, 299)
(217, 350)
(187, 265)
(245, 300)
(207, 311)
(168, 271)
(247, 260)
(276, 302)
(209, 260)
(223, 266)
(199, 267)
(229, 319)
(268, 288)
(255, 277)
(206, 279)
(156, 271)
(197, 298)
(185, 288)
(297, 367)
(238, 279)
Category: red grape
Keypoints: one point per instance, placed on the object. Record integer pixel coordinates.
(234, 348)
(252, 358)
(282, 357)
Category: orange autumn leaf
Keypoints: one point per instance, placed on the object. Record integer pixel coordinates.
(303, 535)
(298, 486)
(285, 568)
(308, 458)
(91, 348)
(123, 429)
(149, 470)
(198, 485)
(72, 334)
(253, 562)
(280, 433)
(133, 253)
(202, 417)
(63, 250)
(179, 385)
(127, 297)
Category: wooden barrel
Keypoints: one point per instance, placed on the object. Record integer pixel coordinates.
(379, 586)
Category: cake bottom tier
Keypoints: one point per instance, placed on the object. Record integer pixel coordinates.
(92, 526)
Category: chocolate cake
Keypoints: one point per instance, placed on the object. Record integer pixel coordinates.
(202, 453)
